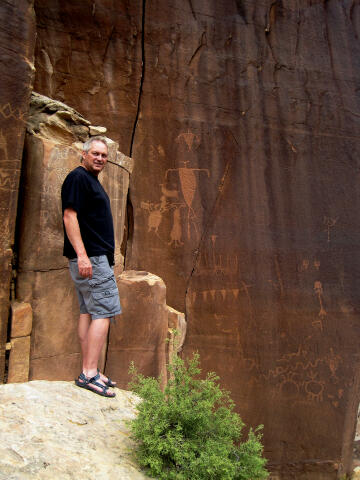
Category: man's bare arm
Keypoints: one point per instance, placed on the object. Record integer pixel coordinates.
(73, 232)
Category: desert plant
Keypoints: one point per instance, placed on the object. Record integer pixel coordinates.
(190, 430)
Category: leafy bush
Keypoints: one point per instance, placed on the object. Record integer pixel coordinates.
(190, 431)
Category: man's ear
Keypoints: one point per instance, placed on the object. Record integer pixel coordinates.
(82, 156)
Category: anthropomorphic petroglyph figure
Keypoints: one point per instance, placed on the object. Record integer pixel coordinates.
(188, 186)
(319, 292)
(175, 234)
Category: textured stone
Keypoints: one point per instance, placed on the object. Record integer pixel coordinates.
(244, 198)
(97, 69)
(176, 332)
(19, 361)
(140, 333)
(55, 430)
(97, 130)
(52, 149)
(21, 319)
(17, 42)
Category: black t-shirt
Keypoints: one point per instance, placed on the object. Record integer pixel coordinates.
(83, 192)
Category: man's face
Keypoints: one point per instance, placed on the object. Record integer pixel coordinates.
(95, 159)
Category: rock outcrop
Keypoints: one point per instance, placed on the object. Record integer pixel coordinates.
(55, 133)
(55, 430)
(17, 43)
(144, 332)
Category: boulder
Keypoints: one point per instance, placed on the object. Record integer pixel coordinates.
(140, 333)
(56, 430)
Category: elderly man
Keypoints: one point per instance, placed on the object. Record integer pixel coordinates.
(89, 246)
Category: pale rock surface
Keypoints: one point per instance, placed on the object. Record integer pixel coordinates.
(55, 430)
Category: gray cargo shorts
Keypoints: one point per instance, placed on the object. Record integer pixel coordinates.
(99, 295)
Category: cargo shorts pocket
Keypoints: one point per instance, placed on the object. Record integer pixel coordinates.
(104, 295)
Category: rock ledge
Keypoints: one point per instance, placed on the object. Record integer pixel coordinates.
(53, 430)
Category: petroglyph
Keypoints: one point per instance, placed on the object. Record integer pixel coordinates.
(297, 375)
(314, 388)
(305, 265)
(176, 231)
(224, 294)
(8, 112)
(9, 180)
(217, 263)
(319, 292)
(189, 138)
(330, 223)
(188, 185)
(317, 264)
(3, 145)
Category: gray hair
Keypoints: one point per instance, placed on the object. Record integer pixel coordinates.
(98, 138)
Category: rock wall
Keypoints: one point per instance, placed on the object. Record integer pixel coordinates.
(243, 118)
(17, 42)
(248, 133)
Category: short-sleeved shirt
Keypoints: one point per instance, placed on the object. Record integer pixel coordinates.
(83, 192)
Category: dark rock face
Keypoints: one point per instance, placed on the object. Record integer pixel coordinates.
(17, 41)
(244, 198)
(88, 55)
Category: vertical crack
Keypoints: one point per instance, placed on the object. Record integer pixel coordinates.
(142, 76)
(204, 235)
(126, 246)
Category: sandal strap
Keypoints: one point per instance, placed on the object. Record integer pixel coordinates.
(93, 381)
(87, 380)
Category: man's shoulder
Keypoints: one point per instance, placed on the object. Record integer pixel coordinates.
(77, 175)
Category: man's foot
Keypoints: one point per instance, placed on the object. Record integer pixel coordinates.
(107, 380)
(93, 384)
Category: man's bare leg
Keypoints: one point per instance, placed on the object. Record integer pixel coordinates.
(83, 331)
(83, 328)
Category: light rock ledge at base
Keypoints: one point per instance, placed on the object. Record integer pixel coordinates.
(55, 430)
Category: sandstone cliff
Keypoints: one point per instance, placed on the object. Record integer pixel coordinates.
(243, 119)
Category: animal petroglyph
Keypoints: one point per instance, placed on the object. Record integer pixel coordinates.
(317, 264)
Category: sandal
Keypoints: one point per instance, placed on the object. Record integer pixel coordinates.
(84, 382)
(108, 382)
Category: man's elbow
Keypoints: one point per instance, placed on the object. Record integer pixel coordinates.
(69, 214)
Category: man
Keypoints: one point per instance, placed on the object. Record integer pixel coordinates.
(89, 245)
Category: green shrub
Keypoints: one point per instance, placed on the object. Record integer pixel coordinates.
(190, 431)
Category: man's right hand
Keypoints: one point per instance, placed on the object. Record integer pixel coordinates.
(85, 267)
